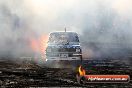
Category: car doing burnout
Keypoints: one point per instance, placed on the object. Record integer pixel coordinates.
(63, 46)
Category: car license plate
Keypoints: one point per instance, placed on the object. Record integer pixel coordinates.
(63, 55)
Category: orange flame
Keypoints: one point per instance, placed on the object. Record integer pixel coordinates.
(39, 45)
(34, 45)
(43, 43)
(82, 72)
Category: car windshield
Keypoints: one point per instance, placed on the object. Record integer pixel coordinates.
(63, 37)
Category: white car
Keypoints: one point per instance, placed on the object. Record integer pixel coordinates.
(63, 46)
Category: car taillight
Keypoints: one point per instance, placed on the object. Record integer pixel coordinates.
(78, 50)
(48, 50)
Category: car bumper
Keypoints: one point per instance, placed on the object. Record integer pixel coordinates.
(59, 58)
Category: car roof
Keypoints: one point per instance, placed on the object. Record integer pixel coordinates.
(74, 33)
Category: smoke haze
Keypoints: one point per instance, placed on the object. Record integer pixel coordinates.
(104, 26)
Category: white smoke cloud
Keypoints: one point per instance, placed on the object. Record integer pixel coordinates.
(100, 23)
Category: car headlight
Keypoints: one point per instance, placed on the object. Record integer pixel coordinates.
(48, 50)
(78, 50)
